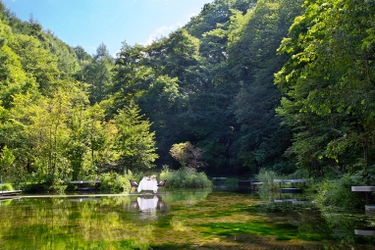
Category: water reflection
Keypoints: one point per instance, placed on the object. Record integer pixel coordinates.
(296, 198)
(147, 204)
(84, 222)
(178, 218)
(351, 228)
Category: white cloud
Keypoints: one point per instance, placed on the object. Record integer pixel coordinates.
(91, 50)
(192, 15)
(163, 31)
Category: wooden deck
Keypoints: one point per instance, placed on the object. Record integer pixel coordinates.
(290, 190)
(4, 195)
(8, 193)
(291, 181)
(366, 190)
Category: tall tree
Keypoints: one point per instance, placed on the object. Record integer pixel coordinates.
(131, 76)
(97, 73)
(13, 77)
(38, 62)
(135, 142)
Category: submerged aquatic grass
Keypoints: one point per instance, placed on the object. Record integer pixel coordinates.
(181, 220)
(256, 228)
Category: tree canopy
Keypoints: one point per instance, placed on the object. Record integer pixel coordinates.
(275, 84)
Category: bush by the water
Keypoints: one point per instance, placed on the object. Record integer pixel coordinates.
(337, 193)
(6, 187)
(115, 183)
(185, 178)
(267, 177)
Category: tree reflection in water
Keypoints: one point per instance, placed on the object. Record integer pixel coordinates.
(177, 220)
(320, 223)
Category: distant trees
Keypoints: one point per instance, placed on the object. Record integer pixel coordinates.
(96, 71)
(208, 83)
(253, 41)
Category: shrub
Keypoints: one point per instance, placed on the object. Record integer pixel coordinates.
(185, 178)
(338, 193)
(114, 183)
(6, 187)
(57, 186)
(267, 177)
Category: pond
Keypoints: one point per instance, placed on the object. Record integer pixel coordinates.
(203, 219)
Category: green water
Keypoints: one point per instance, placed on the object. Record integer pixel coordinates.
(178, 220)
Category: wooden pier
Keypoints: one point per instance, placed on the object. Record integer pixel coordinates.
(8, 194)
(292, 182)
(366, 190)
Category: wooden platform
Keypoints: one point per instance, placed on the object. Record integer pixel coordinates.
(291, 181)
(365, 189)
(290, 190)
(366, 232)
(370, 209)
(10, 193)
(5, 195)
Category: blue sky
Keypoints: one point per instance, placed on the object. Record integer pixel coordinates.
(88, 23)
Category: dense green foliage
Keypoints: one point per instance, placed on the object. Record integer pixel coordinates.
(54, 127)
(204, 84)
(187, 155)
(6, 187)
(185, 178)
(338, 194)
(327, 85)
(281, 85)
(114, 183)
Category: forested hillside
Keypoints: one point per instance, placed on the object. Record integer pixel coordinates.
(211, 83)
(69, 115)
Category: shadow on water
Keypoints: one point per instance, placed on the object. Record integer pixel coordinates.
(180, 219)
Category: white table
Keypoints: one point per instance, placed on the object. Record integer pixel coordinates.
(148, 184)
